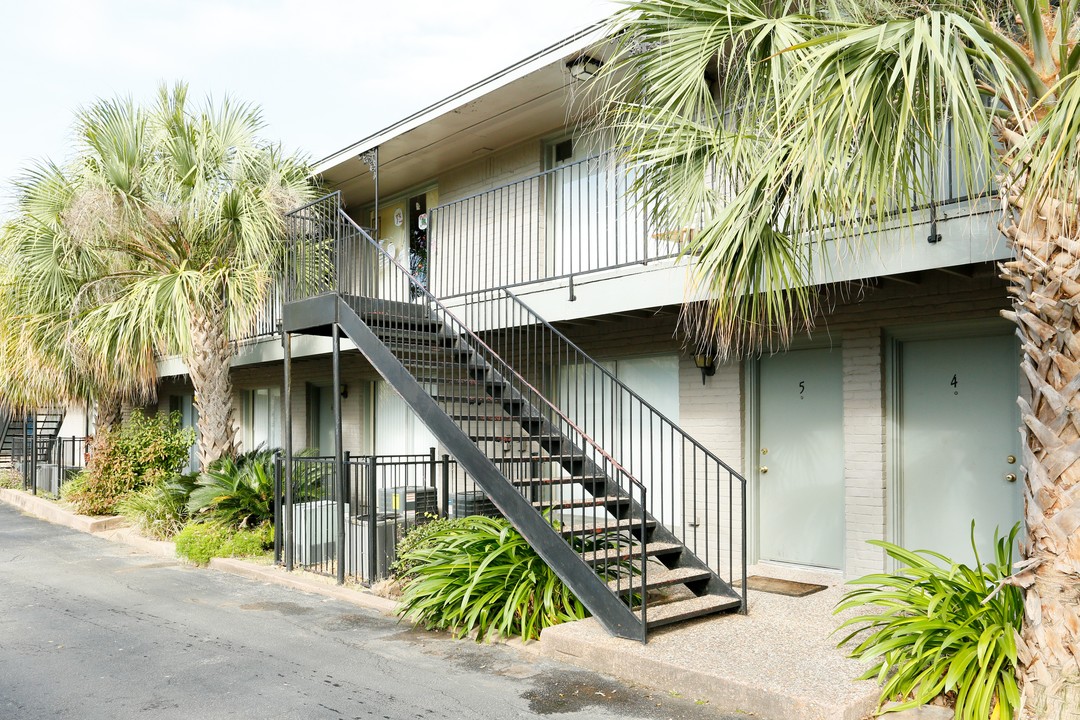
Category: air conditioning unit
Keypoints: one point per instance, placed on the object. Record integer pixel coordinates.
(357, 546)
(47, 479)
(472, 502)
(314, 531)
(417, 499)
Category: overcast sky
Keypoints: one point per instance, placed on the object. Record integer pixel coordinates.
(325, 72)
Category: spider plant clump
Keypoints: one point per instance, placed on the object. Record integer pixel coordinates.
(944, 629)
(478, 574)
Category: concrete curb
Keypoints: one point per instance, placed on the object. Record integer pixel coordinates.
(51, 512)
(305, 582)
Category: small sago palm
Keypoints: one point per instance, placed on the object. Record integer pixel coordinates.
(774, 127)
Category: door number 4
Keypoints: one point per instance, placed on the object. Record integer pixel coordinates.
(955, 385)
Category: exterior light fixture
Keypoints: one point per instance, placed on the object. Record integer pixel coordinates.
(703, 359)
(583, 67)
(344, 390)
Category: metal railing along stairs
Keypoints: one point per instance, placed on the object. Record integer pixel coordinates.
(568, 495)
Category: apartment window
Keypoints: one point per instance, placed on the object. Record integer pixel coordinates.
(322, 430)
(189, 418)
(261, 418)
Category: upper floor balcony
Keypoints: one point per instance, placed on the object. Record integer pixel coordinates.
(586, 219)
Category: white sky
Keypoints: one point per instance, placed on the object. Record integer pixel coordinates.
(325, 72)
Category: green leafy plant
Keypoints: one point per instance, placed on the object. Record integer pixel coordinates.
(416, 538)
(237, 491)
(478, 574)
(199, 542)
(10, 479)
(946, 629)
(159, 510)
(146, 449)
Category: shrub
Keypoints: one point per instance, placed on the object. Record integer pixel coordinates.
(947, 629)
(417, 538)
(237, 491)
(199, 542)
(159, 510)
(11, 480)
(145, 450)
(478, 574)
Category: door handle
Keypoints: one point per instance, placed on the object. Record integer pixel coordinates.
(1011, 477)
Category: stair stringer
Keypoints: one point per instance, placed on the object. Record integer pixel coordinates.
(659, 533)
(615, 616)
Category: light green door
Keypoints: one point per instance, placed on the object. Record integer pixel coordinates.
(801, 459)
(959, 442)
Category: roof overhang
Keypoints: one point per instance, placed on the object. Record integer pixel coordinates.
(530, 99)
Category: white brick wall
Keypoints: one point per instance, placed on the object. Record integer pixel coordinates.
(864, 450)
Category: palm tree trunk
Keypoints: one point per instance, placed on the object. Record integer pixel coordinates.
(1043, 277)
(208, 365)
(108, 412)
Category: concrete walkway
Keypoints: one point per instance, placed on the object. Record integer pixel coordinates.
(779, 662)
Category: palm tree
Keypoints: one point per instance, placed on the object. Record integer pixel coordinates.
(43, 270)
(190, 208)
(773, 126)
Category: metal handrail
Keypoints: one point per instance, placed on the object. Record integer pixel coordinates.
(325, 258)
(636, 434)
(622, 386)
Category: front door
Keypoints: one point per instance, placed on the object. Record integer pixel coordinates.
(959, 444)
(801, 459)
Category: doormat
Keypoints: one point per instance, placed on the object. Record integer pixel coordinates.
(781, 587)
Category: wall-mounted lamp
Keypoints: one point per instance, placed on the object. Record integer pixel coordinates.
(703, 359)
(583, 67)
(344, 390)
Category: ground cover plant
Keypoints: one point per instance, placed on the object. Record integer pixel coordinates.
(478, 574)
(199, 542)
(11, 480)
(946, 629)
(159, 510)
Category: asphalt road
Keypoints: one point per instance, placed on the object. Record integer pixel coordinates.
(90, 630)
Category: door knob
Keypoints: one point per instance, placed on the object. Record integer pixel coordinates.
(1011, 477)
(1011, 459)
(764, 451)
(763, 470)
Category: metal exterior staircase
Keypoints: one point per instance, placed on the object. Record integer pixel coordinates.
(583, 512)
(15, 435)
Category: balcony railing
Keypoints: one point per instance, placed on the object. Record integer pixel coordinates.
(578, 218)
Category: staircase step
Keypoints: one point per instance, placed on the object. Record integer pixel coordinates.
(658, 578)
(410, 353)
(508, 434)
(443, 368)
(612, 555)
(405, 336)
(584, 480)
(603, 501)
(603, 527)
(673, 612)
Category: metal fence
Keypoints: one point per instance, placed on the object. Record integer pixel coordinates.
(56, 461)
(350, 528)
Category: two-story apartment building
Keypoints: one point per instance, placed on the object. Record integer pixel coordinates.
(895, 418)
